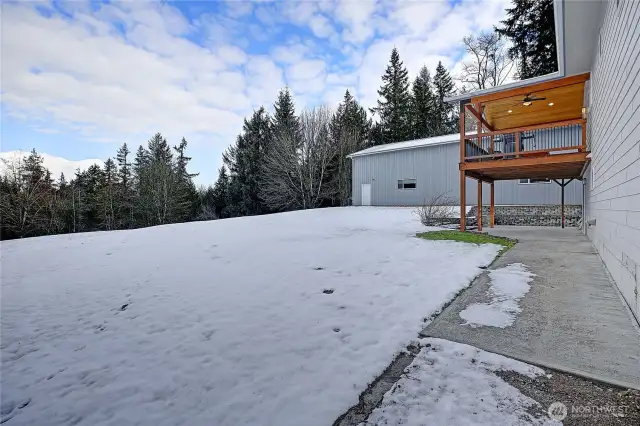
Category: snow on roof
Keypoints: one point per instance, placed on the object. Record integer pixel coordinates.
(417, 143)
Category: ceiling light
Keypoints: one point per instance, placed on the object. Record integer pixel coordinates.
(550, 103)
(526, 103)
(509, 111)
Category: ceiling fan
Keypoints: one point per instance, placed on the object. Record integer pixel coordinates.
(530, 98)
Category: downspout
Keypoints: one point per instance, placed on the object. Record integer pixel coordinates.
(584, 206)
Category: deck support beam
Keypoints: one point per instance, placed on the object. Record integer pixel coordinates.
(463, 201)
(479, 214)
(463, 180)
(562, 185)
(492, 209)
(478, 115)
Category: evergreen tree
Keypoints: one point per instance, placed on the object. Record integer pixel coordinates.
(125, 193)
(245, 159)
(284, 117)
(182, 160)
(91, 183)
(107, 201)
(141, 205)
(424, 106)
(220, 195)
(159, 150)
(445, 119)
(350, 130)
(187, 195)
(160, 185)
(530, 25)
(66, 208)
(394, 104)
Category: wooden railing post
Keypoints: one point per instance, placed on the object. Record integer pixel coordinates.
(583, 142)
(479, 124)
(463, 111)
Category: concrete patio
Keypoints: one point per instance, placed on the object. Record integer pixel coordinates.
(573, 319)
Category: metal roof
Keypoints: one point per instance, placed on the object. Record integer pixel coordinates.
(416, 143)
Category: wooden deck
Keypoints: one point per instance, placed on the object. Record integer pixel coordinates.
(532, 132)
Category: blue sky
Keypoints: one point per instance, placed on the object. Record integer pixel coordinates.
(79, 78)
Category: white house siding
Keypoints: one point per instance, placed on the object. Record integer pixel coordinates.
(435, 169)
(613, 178)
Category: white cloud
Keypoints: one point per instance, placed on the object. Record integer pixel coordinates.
(237, 9)
(356, 17)
(289, 54)
(56, 165)
(321, 26)
(304, 70)
(232, 55)
(126, 70)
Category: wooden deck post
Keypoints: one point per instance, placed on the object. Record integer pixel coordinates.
(479, 205)
(463, 180)
(517, 144)
(492, 207)
(463, 201)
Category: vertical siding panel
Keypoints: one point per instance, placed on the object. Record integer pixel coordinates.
(613, 186)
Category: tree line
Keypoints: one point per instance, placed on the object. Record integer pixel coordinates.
(289, 161)
(151, 188)
(281, 161)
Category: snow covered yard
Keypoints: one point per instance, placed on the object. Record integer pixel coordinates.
(273, 320)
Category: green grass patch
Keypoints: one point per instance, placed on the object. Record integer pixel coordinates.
(469, 237)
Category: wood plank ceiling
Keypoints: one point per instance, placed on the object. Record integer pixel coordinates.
(566, 104)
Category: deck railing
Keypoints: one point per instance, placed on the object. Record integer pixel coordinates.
(532, 141)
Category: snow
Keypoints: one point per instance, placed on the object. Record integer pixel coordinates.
(416, 143)
(508, 286)
(222, 322)
(451, 383)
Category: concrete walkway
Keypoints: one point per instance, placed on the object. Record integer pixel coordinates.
(572, 319)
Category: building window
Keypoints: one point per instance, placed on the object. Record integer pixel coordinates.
(406, 184)
(528, 181)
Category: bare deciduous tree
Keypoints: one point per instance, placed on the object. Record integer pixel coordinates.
(437, 210)
(295, 167)
(489, 65)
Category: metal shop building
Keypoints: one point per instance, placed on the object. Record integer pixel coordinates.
(413, 172)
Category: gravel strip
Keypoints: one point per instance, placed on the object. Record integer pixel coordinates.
(587, 402)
